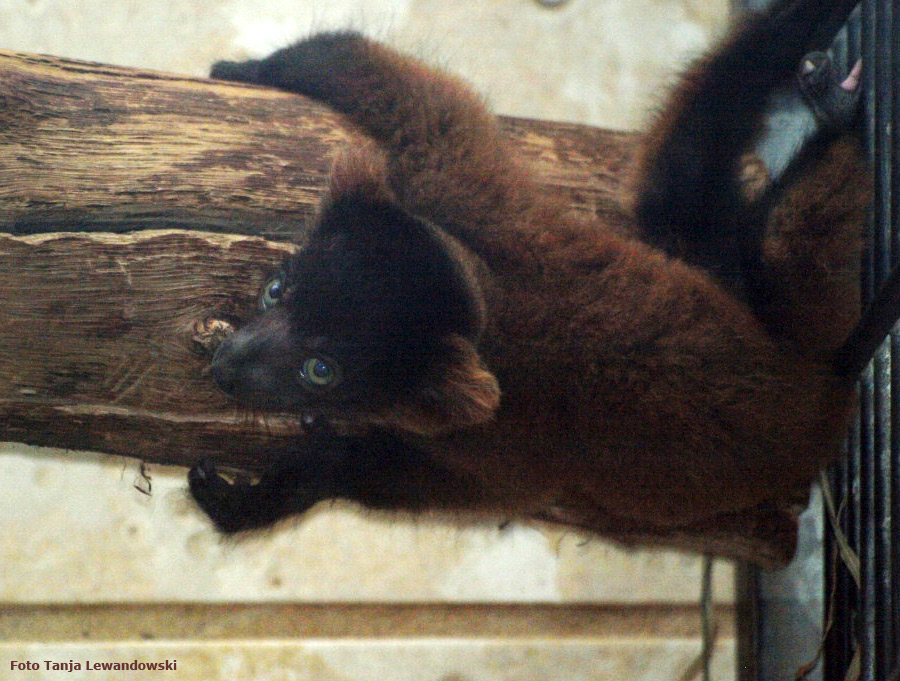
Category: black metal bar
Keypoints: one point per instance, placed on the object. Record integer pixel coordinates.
(865, 620)
(879, 591)
(874, 327)
(892, 653)
(867, 483)
(747, 625)
(839, 585)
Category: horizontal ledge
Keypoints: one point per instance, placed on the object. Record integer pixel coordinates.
(198, 621)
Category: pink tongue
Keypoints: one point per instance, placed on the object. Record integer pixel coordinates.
(851, 82)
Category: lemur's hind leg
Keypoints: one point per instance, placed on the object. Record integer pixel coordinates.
(810, 254)
(808, 283)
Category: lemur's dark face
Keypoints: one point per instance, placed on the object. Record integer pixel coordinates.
(353, 323)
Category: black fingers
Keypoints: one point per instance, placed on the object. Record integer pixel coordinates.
(236, 507)
(225, 503)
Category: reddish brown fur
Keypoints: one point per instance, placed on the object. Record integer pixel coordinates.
(639, 395)
(812, 251)
(589, 324)
(464, 394)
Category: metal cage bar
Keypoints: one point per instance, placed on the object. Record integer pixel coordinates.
(863, 640)
(862, 620)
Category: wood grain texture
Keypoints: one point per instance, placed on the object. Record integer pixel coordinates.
(89, 147)
(97, 341)
(137, 206)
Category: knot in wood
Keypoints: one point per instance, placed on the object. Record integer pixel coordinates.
(208, 334)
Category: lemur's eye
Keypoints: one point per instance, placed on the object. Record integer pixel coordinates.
(319, 372)
(271, 293)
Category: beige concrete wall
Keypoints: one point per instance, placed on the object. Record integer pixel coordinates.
(92, 569)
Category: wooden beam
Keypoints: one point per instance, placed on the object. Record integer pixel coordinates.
(88, 147)
(139, 214)
(135, 207)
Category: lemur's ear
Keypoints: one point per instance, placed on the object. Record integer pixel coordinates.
(417, 265)
(360, 206)
(359, 170)
(460, 392)
(429, 275)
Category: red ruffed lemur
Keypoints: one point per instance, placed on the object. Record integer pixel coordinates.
(496, 354)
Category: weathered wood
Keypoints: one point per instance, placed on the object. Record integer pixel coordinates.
(88, 147)
(137, 206)
(97, 342)
(98, 307)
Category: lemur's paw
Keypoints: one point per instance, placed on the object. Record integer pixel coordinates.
(222, 501)
(834, 101)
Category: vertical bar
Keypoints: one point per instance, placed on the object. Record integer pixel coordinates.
(879, 590)
(866, 530)
(747, 624)
(869, 618)
(892, 653)
(874, 603)
(871, 397)
(840, 589)
(843, 641)
(850, 487)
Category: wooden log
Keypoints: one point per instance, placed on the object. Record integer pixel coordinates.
(139, 210)
(87, 147)
(134, 207)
